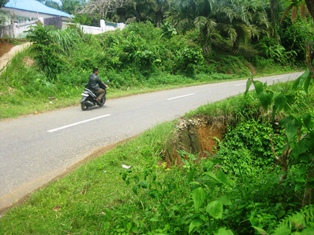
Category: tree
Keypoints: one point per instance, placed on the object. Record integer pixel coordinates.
(240, 20)
(3, 2)
(53, 4)
(70, 6)
(183, 13)
(274, 18)
(310, 7)
(151, 10)
(234, 20)
(304, 6)
(101, 9)
(187, 15)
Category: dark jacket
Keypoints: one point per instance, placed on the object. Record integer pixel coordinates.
(94, 82)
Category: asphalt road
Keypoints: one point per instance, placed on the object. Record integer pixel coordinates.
(35, 149)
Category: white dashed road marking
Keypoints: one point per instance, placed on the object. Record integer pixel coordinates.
(182, 96)
(78, 123)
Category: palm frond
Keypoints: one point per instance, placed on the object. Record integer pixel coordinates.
(232, 34)
(303, 11)
(294, 13)
(286, 12)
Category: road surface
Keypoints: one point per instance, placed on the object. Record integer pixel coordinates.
(35, 149)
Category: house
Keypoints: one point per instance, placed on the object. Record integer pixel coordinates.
(18, 15)
(33, 9)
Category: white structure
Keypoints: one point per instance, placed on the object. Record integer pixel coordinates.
(17, 16)
(97, 30)
(32, 9)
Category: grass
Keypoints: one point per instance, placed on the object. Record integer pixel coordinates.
(25, 87)
(81, 202)
(77, 203)
(17, 105)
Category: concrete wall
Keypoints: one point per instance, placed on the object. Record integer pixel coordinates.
(18, 30)
(97, 30)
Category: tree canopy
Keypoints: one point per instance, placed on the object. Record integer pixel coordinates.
(3, 2)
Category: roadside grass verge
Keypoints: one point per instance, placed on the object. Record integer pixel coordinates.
(15, 103)
(78, 202)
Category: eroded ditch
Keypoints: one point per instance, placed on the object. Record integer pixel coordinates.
(197, 135)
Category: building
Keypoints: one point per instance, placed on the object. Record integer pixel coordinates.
(18, 15)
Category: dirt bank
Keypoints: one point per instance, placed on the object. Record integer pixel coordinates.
(8, 51)
(197, 135)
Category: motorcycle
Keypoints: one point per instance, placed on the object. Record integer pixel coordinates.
(89, 98)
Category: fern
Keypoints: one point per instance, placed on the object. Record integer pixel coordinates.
(301, 222)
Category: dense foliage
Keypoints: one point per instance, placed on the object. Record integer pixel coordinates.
(173, 42)
(257, 183)
(261, 179)
(59, 62)
(252, 185)
(140, 51)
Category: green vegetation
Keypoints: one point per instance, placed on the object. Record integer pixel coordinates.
(259, 180)
(243, 188)
(53, 71)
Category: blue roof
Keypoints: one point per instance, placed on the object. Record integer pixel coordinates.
(35, 6)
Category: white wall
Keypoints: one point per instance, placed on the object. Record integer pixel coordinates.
(96, 30)
(18, 30)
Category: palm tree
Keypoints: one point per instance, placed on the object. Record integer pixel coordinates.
(236, 20)
(184, 12)
(303, 6)
(148, 10)
(295, 6)
(274, 18)
(207, 32)
(160, 8)
(240, 22)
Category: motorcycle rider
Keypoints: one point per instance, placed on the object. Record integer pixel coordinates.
(96, 85)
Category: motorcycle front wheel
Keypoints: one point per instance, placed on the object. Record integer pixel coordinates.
(102, 101)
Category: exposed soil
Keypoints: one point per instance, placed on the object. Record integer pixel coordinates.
(198, 135)
(8, 50)
(5, 46)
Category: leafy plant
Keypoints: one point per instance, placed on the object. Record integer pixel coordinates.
(51, 46)
(276, 52)
(168, 29)
(45, 50)
(157, 188)
(298, 122)
(247, 144)
(188, 59)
